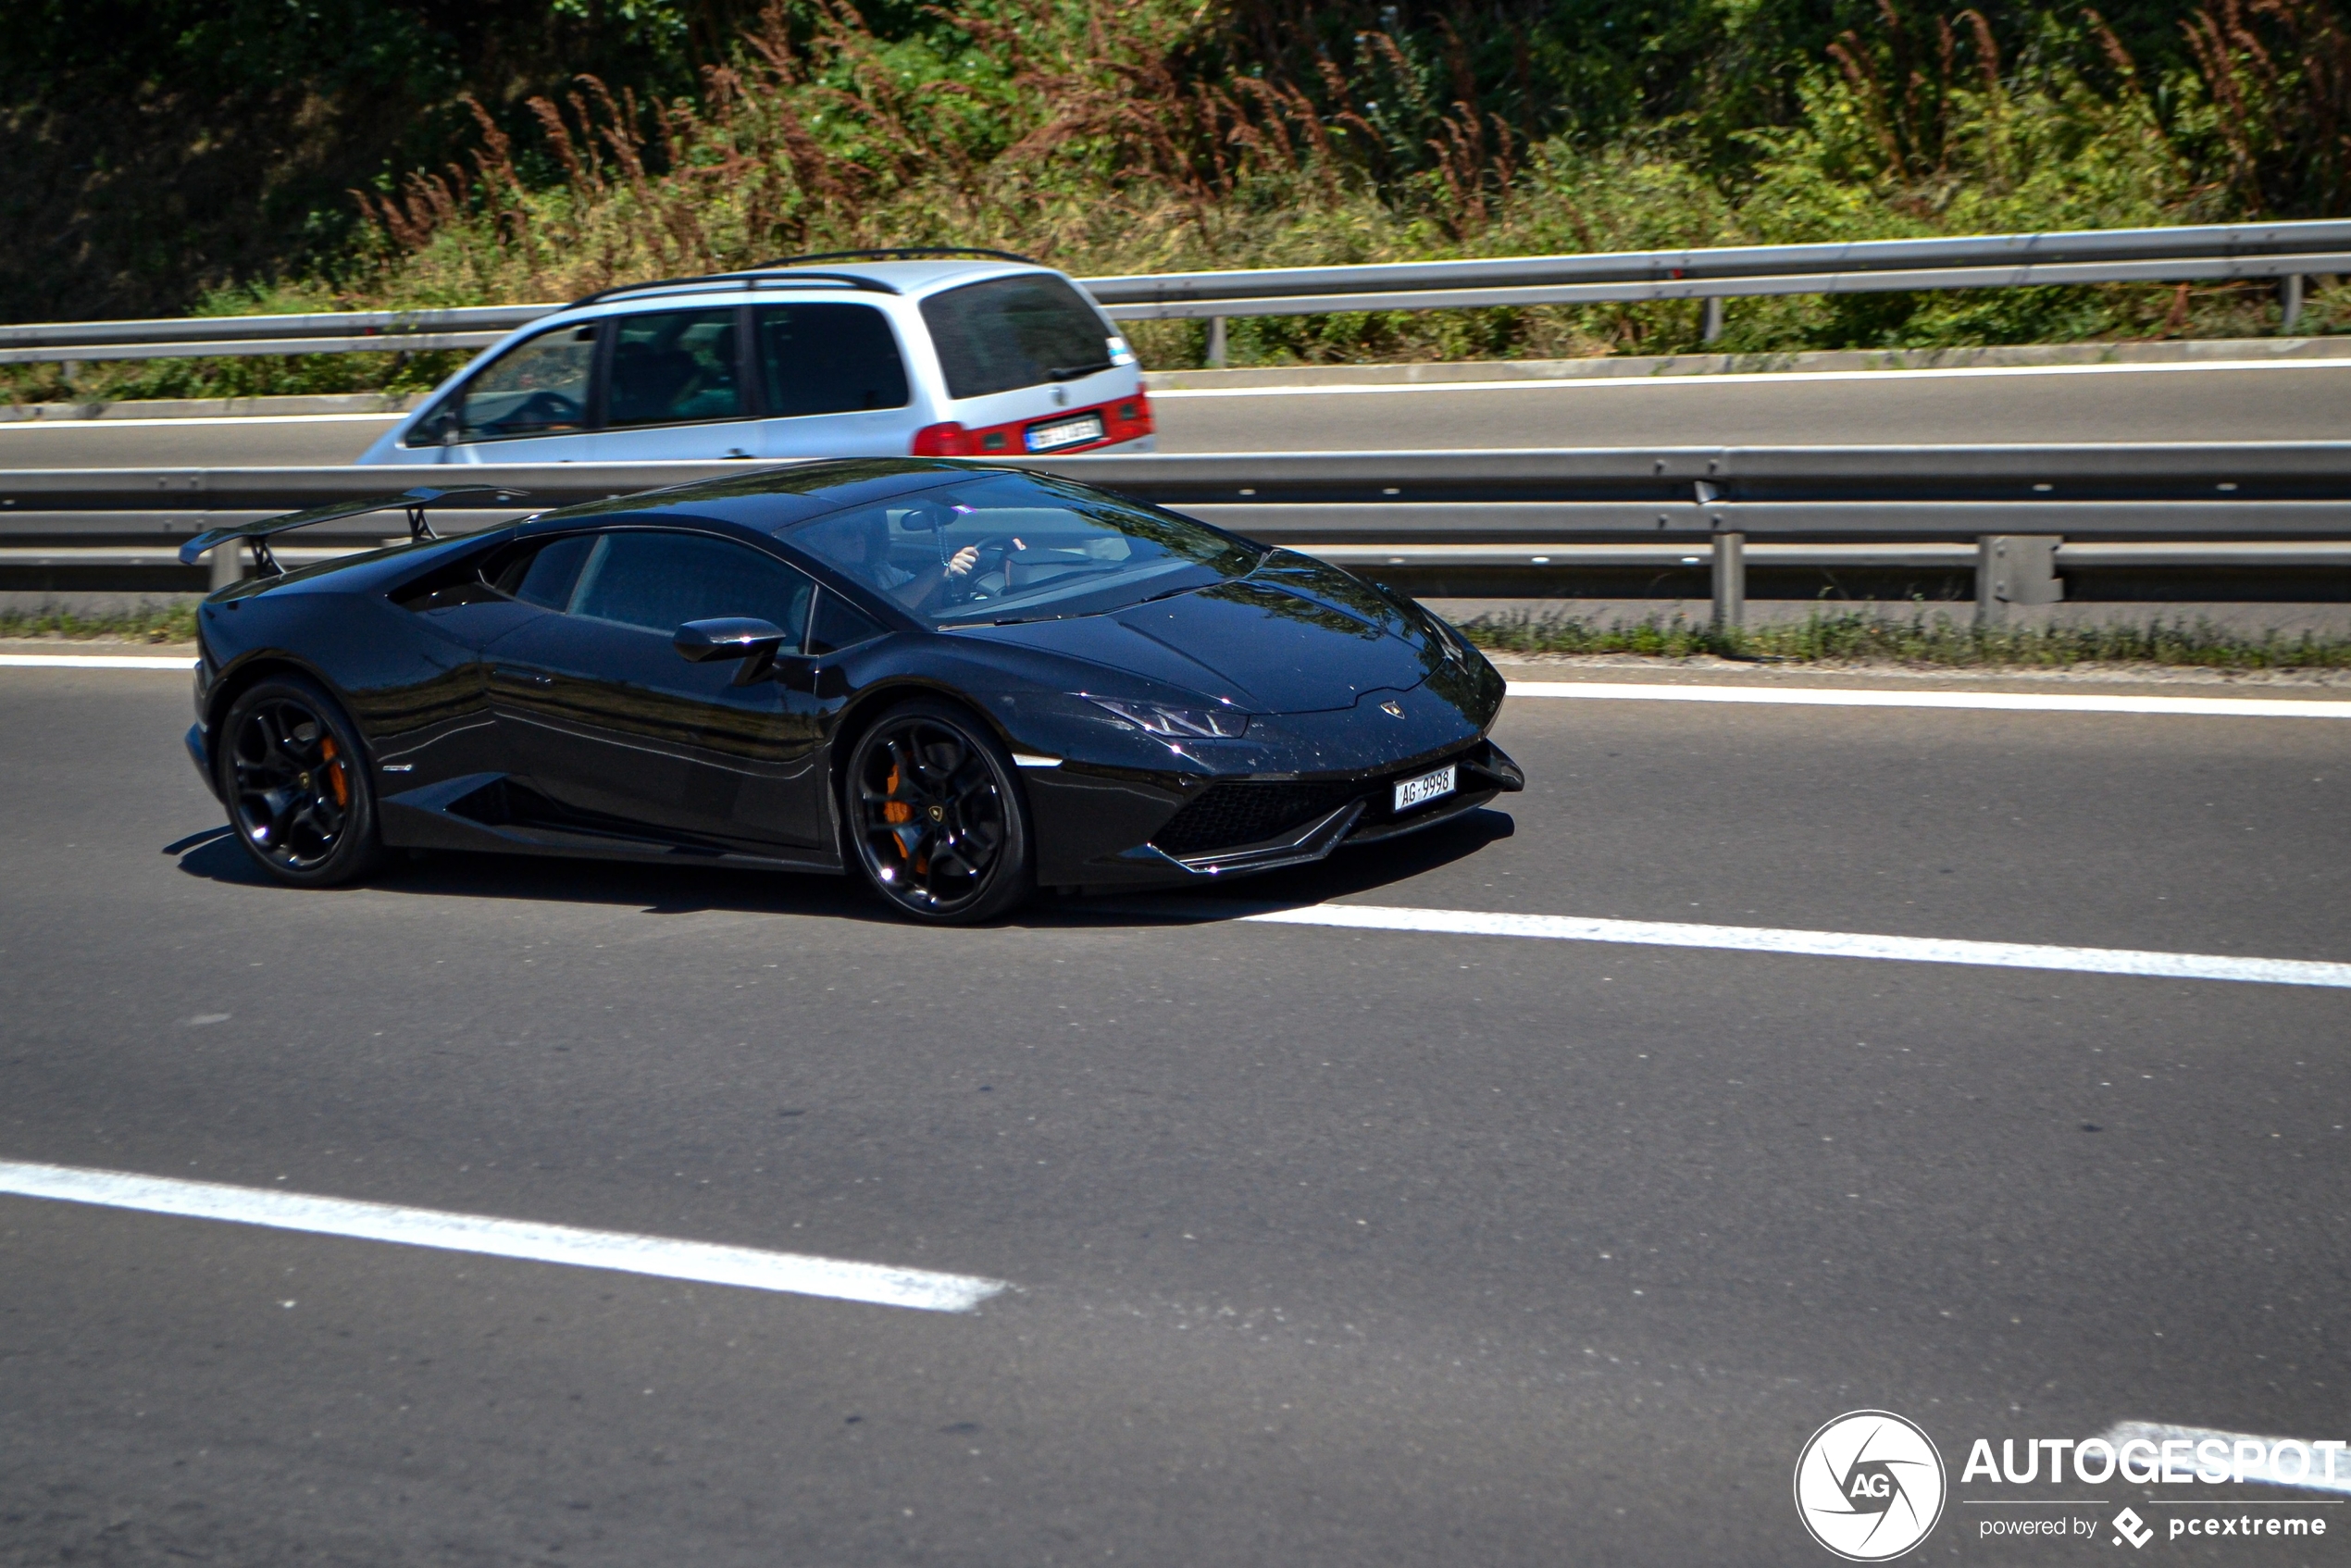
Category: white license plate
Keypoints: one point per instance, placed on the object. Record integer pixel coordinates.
(1427, 787)
(1063, 432)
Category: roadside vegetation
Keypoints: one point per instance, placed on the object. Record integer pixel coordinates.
(1109, 136)
(1926, 638)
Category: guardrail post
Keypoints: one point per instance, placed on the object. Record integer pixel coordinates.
(2015, 568)
(1711, 327)
(1729, 580)
(2289, 301)
(227, 567)
(1216, 342)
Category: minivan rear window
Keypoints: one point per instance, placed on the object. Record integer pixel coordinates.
(1017, 331)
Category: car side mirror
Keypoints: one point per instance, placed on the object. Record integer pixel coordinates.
(755, 642)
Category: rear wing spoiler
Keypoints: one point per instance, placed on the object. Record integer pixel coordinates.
(259, 534)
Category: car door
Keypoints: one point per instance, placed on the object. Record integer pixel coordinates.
(674, 388)
(530, 405)
(599, 713)
(832, 381)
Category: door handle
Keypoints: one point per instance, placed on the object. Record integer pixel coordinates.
(527, 676)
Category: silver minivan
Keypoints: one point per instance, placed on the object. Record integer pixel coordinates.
(977, 355)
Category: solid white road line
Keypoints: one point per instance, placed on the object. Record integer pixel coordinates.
(1825, 944)
(1993, 702)
(183, 421)
(655, 1255)
(92, 661)
(2318, 1472)
(1745, 378)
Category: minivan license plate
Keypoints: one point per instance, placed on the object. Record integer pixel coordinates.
(1427, 787)
(1063, 432)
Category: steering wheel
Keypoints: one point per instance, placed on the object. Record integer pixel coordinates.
(964, 588)
(540, 411)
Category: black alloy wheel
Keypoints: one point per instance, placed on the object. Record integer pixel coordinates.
(936, 815)
(295, 780)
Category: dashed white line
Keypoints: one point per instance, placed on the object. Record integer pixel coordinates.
(1744, 378)
(1823, 944)
(1991, 702)
(700, 1262)
(2247, 1457)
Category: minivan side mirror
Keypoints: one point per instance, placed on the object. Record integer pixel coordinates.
(755, 642)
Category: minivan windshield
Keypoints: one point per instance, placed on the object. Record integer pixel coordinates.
(999, 548)
(1017, 331)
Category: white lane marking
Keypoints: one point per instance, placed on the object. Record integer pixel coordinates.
(1748, 379)
(2316, 1466)
(697, 1260)
(1998, 702)
(1823, 944)
(91, 661)
(182, 422)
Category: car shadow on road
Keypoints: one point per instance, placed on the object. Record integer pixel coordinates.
(216, 856)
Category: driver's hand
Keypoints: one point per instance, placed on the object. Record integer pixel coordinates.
(963, 560)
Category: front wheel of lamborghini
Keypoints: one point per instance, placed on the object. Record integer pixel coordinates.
(296, 783)
(936, 816)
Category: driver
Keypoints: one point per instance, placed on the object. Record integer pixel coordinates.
(918, 590)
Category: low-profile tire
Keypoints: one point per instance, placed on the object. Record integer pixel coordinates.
(298, 784)
(936, 817)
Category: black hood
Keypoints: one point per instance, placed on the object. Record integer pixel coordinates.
(1295, 636)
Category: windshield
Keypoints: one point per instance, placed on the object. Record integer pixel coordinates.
(1000, 547)
(1019, 331)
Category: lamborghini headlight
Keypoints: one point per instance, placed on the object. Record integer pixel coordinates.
(1179, 724)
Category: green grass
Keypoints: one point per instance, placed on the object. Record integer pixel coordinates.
(1922, 639)
(175, 625)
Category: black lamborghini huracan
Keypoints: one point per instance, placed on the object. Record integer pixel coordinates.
(966, 682)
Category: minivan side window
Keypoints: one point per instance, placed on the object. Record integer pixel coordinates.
(1019, 331)
(658, 581)
(827, 359)
(674, 367)
(537, 388)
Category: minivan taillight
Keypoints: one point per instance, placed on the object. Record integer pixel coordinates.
(949, 440)
(1129, 417)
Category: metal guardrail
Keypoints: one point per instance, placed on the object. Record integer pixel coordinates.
(2286, 252)
(2014, 504)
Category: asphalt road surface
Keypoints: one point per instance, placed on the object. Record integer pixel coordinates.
(2303, 401)
(1327, 1247)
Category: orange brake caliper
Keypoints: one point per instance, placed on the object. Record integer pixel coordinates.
(895, 812)
(335, 778)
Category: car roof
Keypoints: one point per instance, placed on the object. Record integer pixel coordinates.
(912, 280)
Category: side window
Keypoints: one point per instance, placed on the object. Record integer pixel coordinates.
(840, 624)
(543, 574)
(537, 388)
(672, 367)
(659, 581)
(829, 359)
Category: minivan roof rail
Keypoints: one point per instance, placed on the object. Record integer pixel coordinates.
(901, 252)
(749, 279)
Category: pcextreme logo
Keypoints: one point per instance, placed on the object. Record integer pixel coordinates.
(1870, 1486)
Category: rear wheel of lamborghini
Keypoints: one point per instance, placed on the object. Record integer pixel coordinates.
(295, 779)
(936, 816)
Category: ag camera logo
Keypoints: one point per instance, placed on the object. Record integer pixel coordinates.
(1870, 1486)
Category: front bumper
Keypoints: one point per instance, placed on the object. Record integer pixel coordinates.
(1232, 827)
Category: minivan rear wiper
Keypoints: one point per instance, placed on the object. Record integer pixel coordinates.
(1071, 372)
